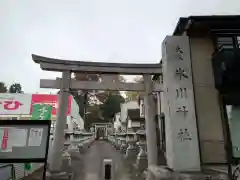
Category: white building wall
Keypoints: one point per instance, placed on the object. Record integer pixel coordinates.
(69, 123)
(80, 122)
(132, 124)
(75, 114)
(125, 107)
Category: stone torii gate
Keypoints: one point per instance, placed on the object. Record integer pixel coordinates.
(104, 126)
(66, 84)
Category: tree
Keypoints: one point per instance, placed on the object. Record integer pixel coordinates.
(3, 88)
(83, 97)
(134, 95)
(93, 115)
(112, 105)
(102, 95)
(15, 88)
(108, 102)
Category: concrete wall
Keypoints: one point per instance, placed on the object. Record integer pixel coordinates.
(207, 105)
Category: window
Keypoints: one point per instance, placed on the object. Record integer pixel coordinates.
(225, 42)
(228, 41)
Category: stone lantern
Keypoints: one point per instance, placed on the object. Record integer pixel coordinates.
(142, 162)
(75, 141)
(87, 138)
(81, 137)
(118, 140)
(68, 136)
(111, 138)
(131, 151)
(92, 129)
(77, 136)
(123, 147)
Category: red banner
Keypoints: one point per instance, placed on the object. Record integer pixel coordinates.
(4, 140)
(50, 99)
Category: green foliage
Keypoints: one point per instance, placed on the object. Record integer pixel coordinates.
(99, 112)
(15, 88)
(3, 87)
(111, 101)
(112, 105)
(132, 95)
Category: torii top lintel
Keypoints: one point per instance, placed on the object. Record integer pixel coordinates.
(51, 64)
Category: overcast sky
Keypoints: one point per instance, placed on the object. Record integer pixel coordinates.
(90, 30)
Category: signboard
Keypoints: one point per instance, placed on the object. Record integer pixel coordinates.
(15, 103)
(41, 112)
(49, 99)
(24, 141)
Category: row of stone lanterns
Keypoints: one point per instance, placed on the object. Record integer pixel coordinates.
(75, 142)
(78, 139)
(132, 145)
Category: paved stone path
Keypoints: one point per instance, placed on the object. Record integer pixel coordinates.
(89, 166)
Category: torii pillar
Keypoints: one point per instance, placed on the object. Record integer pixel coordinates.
(58, 143)
(150, 122)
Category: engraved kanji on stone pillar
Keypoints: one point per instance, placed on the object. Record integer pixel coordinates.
(181, 93)
(182, 109)
(181, 73)
(179, 53)
(184, 135)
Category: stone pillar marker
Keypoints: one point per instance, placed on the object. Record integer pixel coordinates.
(150, 122)
(58, 143)
(182, 148)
